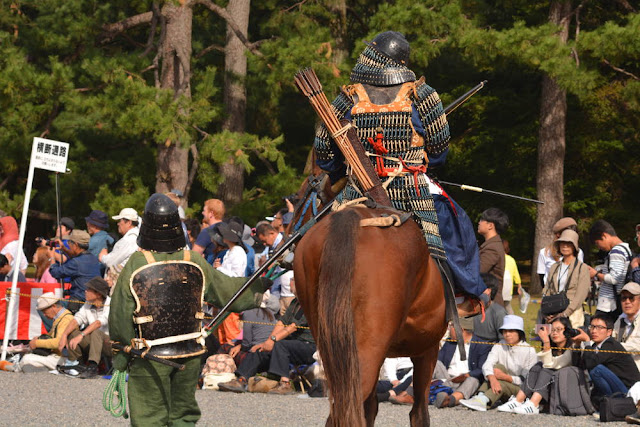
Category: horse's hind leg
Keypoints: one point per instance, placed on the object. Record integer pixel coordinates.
(422, 371)
(371, 409)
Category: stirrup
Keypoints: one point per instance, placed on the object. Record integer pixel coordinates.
(471, 306)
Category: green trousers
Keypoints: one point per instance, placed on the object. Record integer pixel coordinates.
(163, 396)
(508, 389)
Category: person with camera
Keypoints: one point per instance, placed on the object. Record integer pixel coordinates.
(556, 353)
(59, 244)
(568, 283)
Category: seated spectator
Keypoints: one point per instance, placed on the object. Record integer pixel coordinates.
(464, 377)
(9, 243)
(551, 358)
(288, 344)
(6, 272)
(97, 223)
(626, 330)
(610, 372)
(88, 331)
(256, 328)
(115, 260)
(81, 267)
(570, 276)
(505, 367)
(45, 352)
(398, 376)
(286, 296)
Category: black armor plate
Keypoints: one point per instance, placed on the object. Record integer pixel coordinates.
(171, 292)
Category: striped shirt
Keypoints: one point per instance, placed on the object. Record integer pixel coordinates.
(617, 263)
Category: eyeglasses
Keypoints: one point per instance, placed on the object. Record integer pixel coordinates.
(597, 327)
(627, 297)
(557, 330)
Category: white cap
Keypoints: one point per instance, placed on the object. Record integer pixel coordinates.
(46, 300)
(127, 213)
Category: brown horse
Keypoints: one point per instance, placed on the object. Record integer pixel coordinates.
(369, 293)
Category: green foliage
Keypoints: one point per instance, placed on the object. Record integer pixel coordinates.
(133, 194)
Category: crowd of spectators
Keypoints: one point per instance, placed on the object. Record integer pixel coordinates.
(502, 370)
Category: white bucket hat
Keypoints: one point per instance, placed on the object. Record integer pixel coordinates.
(46, 300)
(512, 322)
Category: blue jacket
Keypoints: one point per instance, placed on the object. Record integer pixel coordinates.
(80, 269)
(476, 357)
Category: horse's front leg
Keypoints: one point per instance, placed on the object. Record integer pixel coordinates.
(422, 371)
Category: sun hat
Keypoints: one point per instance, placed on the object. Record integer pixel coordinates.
(46, 300)
(127, 213)
(81, 237)
(568, 236)
(564, 223)
(512, 322)
(98, 218)
(99, 285)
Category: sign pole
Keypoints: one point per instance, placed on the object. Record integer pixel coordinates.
(45, 154)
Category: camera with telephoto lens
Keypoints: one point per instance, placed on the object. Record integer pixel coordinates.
(46, 242)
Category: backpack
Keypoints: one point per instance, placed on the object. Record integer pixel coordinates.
(569, 393)
(436, 387)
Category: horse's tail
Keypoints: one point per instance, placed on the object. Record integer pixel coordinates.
(336, 332)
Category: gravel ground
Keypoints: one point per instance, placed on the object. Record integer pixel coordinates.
(53, 400)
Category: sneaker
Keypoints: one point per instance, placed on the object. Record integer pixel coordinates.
(526, 408)
(283, 387)
(239, 385)
(633, 419)
(510, 405)
(476, 403)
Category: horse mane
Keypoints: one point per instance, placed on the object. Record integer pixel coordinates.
(336, 332)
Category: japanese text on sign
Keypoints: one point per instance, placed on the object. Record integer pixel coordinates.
(50, 155)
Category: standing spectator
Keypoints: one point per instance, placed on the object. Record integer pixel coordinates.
(511, 277)
(635, 262)
(493, 222)
(611, 372)
(127, 221)
(248, 243)
(88, 332)
(271, 239)
(570, 276)
(489, 329)
(234, 263)
(42, 261)
(62, 238)
(193, 229)
(212, 213)
(506, 366)
(286, 296)
(616, 263)
(81, 267)
(97, 223)
(45, 353)
(626, 330)
(179, 199)
(549, 255)
(9, 243)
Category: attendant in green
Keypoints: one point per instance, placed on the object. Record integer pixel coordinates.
(162, 292)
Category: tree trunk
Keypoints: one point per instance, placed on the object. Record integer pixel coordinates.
(173, 156)
(235, 98)
(551, 149)
(338, 29)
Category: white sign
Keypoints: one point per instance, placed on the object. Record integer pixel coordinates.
(50, 155)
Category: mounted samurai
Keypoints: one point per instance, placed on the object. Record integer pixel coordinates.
(401, 123)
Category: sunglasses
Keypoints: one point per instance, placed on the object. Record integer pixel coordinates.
(627, 297)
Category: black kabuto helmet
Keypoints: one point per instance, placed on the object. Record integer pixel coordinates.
(161, 229)
(384, 62)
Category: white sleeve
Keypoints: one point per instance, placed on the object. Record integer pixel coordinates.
(541, 269)
(389, 370)
(492, 359)
(81, 317)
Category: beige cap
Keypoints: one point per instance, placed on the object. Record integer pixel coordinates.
(632, 288)
(127, 213)
(564, 223)
(81, 237)
(46, 301)
(568, 236)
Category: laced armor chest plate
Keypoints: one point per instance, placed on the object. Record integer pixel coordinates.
(168, 315)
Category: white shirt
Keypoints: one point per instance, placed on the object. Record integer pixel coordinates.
(123, 249)
(457, 366)
(12, 248)
(391, 366)
(517, 359)
(285, 283)
(89, 313)
(234, 262)
(545, 261)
